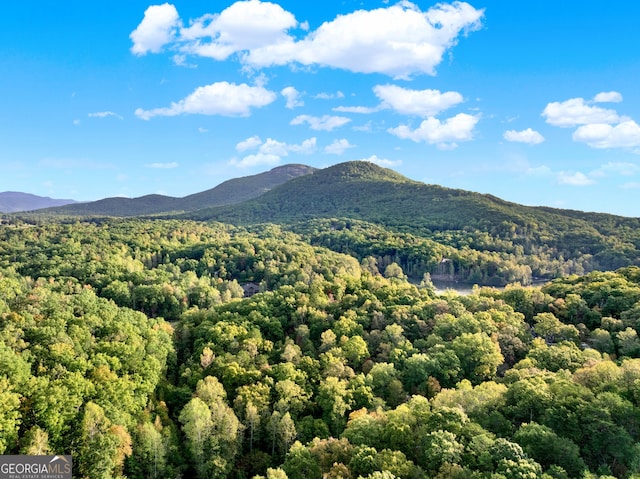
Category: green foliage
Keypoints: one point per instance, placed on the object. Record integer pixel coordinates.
(330, 369)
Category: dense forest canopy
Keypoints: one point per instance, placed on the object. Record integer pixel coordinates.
(139, 347)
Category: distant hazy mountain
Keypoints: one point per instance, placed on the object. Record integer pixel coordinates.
(229, 192)
(13, 201)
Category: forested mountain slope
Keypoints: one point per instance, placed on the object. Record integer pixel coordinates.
(552, 242)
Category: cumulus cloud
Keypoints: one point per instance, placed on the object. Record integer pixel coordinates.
(597, 127)
(423, 103)
(529, 136)
(323, 123)
(221, 98)
(338, 147)
(157, 29)
(104, 114)
(292, 96)
(608, 97)
(243, 26)
(601, 135)
(249, 144)
(577, 111)
(443, 134)
(399, 41)
(163, 166)
(574, 179)
(385, 163)
(329, 96)
(255, 160)
(270, 152)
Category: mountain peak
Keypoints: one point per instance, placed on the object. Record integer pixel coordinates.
(363, 170)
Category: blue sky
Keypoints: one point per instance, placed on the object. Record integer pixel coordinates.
(534, 101)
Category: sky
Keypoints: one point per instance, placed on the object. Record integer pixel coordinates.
(534, 101)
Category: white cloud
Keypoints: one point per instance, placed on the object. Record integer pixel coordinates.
(324, 123)
(157, 29)
(293, 97)
(368, 126)
(443, 134)
(616, 168)
(255, 160)
(202, 130)
(382, 161)
(601, 135)
(249, 144)
(365, 110)
(338, 147)
(329, 96)
(306, 147)
(399, 41)
(163, 166)
(423, 103)
(529, 136)
(577, 111)
(574, 179)
(632, 185)
(104, 114)
(270, 152)
(243, 26)
(221, 98)
(608, 97)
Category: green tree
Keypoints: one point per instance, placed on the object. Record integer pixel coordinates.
(479, 356)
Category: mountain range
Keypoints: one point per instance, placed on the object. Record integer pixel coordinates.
(14, 201)
(232, 191)
(350, 206)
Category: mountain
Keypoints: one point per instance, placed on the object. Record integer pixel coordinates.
(229, 192)
(565, 241)
(365, 191)
(13, 201)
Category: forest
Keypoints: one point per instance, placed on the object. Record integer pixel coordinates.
(165, 348)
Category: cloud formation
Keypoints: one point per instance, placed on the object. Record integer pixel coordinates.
(322, 123)
(221, 98)
(444, 134)
(577, 111)
(157, 29)
(598, 127)
(292, 96)
(399, 41)
(528, 136)
(270, 152)
(338, 147)
(104, 114)
(600, 135)
(422, 103)
(574, 179)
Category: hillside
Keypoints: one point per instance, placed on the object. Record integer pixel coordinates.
(552, 242)
(365, 191)
(229, 192)
(14, 201)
